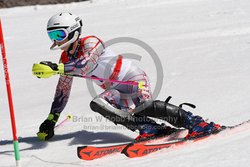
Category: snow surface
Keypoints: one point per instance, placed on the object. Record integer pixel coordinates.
(203, 45)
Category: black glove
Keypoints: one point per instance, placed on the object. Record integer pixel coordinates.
(46, 129)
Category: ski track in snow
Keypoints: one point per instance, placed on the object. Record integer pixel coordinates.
(204, 48)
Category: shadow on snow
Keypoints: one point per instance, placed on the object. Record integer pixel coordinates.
(78, 138)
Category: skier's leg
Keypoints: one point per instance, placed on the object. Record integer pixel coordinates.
(138, 95)
(112, 106)
(162, 110)
(117, 103)
(116, 106)
(109, 111)
(176, 116)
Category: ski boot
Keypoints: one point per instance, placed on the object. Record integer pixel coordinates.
(197, 127)
(148, 131)
(178, 117)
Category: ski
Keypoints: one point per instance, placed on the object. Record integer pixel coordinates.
(92, 152)
(95, 152)
(144, 147)
(140, 149)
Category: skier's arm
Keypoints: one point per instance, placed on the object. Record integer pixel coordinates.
(92, 49)
(62, 94)
(46, 129)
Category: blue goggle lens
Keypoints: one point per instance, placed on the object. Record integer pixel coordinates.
(58, 35)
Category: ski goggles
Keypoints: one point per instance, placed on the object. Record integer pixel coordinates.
(58, 34)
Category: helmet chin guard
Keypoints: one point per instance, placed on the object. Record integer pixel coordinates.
(75, 37)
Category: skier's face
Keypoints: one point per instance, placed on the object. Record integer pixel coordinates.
(61, 43)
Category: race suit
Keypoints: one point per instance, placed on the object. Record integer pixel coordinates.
(92, 59)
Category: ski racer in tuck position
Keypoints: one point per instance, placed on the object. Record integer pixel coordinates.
(128, 105)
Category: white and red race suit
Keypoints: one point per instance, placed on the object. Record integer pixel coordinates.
(93, 59)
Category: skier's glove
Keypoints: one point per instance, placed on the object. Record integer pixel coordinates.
(46, 69)
(46, 129)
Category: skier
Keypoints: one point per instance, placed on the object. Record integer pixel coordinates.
(128, 105)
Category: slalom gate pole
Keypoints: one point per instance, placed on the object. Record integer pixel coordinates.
(8, 88)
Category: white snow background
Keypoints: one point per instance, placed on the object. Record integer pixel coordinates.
(204, 48)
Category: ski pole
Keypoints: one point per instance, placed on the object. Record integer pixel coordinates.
(140, 84)
(69, 117)
(11, 106)
(44, 71)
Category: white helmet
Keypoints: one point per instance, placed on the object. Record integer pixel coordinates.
(62, 26)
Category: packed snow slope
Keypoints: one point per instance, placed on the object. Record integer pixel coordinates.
(203, 46)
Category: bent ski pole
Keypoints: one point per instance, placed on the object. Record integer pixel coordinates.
(140, 84)
(44, 71)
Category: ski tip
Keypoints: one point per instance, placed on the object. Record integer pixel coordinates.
(124, 151)
(79, 151)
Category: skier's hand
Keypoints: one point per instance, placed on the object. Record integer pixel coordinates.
(46, 129)
(46, 69)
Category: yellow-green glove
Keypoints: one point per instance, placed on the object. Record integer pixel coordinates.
(46, 69)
